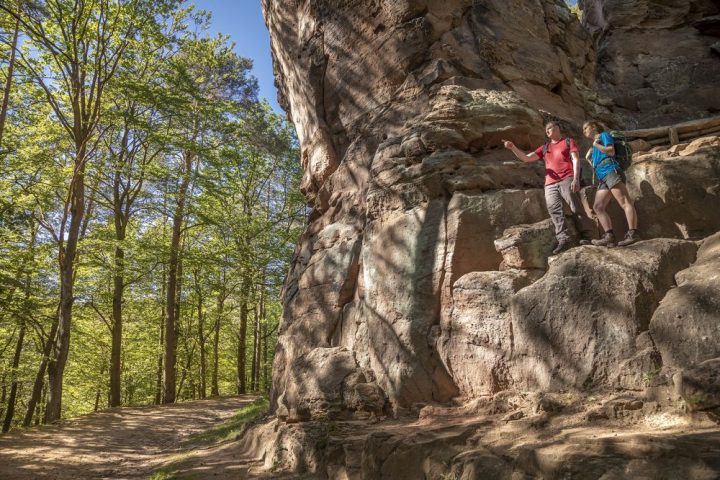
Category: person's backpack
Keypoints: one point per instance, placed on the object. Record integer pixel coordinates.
(623, 150)
(623, 153)
(546, 147)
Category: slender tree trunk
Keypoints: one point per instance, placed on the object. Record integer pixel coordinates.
(8, 80)
(21, 336)
(159, 383)
(171, 327)
(186, 368)
(254, 385)
(263, 328)
(38, 392)
(40, 412)
(242, 335)
(117, 325)
(10, 413)
(120, 221)
(201, 335)
(3, 393)
(56, 366)
(98, 392)
(216, 342)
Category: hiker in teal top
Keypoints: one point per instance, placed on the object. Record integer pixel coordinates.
(611, 183)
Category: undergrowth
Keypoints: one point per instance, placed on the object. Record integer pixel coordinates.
(233, 427)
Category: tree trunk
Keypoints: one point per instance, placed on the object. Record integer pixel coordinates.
(171, 327)
(201, 335)
(242, 335)
(117, 324)
(8, 80)
(159, 378)
(56, 366)
(40, 413)
(98, 392)
(38, 390)
(214, 389)
(255, 381)
(10, 413)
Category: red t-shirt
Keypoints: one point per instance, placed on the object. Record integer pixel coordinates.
(558, 162)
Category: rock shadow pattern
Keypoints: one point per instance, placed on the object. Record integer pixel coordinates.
(422, 273)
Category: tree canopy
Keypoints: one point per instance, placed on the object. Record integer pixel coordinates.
(149, 206)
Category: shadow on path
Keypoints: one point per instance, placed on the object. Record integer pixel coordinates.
(117, 443)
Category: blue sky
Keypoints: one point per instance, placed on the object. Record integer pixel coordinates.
(243, 21)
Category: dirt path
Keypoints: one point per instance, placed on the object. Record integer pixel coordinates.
(116, 444)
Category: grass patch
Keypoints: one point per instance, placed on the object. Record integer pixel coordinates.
(168, 472)
(229, 429)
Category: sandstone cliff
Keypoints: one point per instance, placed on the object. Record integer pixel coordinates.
(400, 108)
(423, 274)
(657, 60)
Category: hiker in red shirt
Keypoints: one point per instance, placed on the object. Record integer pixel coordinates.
(562, 182)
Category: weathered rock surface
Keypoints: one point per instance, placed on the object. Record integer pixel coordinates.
(404, 170)
(628, 439)
(476, 341)
(686, 325)
(699, 385)
(676, 192)
(579, 322)
(655, 58)
(422, 276)
(527, 246)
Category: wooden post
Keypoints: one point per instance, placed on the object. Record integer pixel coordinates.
(674, 138)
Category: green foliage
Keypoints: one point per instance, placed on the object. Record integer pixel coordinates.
(171, 91)
(575, 9)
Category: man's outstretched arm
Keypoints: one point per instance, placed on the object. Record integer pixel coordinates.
(525, 157)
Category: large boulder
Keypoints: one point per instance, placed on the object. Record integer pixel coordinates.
(686, 325)
(574, 327)
(327, 383)
(699, 385)
(527, 246)
(476, 342)
(676, 191)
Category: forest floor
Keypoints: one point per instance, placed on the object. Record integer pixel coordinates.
(144, 442)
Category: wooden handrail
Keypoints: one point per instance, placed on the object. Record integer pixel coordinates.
(674, 134)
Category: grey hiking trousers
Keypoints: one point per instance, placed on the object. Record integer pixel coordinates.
(555, 194)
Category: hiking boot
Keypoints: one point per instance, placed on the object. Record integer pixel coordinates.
(562, 246)
(630, 237)
(607, 240)
(585, 241)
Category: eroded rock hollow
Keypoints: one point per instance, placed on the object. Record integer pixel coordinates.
(422, 275)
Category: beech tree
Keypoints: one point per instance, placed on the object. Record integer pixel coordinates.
(149, 207)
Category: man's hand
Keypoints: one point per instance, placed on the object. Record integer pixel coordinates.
(575, 187)
(508, 144)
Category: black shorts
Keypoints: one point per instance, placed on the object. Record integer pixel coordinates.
(611, 180)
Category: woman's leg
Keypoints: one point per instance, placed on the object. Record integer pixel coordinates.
(602, 198)
(620, 193)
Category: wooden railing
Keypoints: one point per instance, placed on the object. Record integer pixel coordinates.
(679, 133)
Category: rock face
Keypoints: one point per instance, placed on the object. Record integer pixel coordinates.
(575, 326)
(400, 108)
(686, 325)
(676, 192)
(423, 273)
(655, 58)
